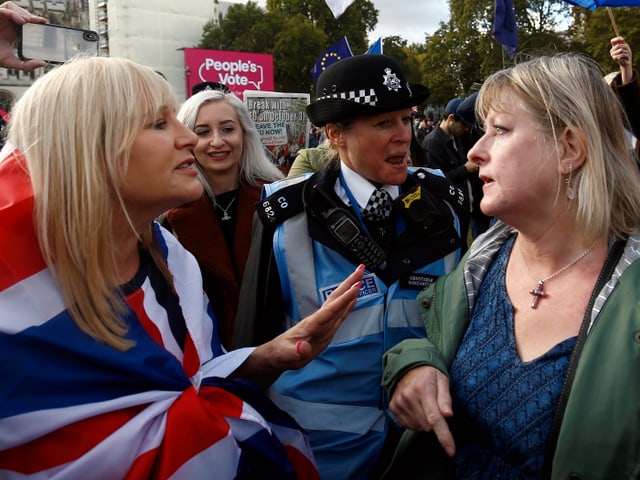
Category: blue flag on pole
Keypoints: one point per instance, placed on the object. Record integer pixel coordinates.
(376, 47)
(504, 26)
(331, 55)
(593, 4)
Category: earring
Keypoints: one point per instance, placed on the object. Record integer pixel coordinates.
(571, 194)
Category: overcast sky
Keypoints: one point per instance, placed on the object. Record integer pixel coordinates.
(409, 19)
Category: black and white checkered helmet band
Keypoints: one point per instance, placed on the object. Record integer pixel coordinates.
(362, 96)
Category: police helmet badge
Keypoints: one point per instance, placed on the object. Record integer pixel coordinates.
(391, 80)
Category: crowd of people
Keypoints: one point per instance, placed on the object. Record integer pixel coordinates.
(453, 300)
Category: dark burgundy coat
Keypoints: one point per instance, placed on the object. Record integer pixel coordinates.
(197, 227)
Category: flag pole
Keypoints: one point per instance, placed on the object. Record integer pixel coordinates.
(613, 22)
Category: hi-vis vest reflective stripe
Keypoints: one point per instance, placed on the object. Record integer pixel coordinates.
(340, 390)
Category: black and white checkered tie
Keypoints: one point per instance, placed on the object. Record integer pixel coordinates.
(378, 207)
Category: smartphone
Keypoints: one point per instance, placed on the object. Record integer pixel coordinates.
(55, 43)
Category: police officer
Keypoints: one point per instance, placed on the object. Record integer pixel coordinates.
(364, 207)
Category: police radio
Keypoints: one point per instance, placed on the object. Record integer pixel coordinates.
(350, 235)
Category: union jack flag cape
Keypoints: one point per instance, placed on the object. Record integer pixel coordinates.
(74, 408)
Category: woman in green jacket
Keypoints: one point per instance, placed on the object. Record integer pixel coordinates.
(532, 367)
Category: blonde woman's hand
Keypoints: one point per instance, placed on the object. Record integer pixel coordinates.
(301, 343)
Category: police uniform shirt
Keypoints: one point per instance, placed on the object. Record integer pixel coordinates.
(360, 188)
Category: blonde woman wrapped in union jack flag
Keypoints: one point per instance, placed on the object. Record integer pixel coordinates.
(110, 359)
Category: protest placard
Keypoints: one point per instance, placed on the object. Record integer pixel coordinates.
(281, 122)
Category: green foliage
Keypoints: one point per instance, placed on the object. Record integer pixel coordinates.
(297, 39)
(295, 32)
(460, 53)
(245, 28)
(360, 18)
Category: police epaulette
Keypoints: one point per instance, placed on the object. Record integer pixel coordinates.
(441, 187)
(283, 204)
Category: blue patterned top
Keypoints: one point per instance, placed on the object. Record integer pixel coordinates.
(503, 407)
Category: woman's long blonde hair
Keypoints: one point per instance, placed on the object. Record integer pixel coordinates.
(75, 126)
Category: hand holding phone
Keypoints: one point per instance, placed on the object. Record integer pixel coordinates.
(11, 18)
(55, 43)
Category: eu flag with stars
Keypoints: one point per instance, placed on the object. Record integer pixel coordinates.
(331, 55)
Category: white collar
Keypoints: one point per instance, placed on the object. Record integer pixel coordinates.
(360, 187)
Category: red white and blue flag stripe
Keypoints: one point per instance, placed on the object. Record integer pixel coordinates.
(74, 408)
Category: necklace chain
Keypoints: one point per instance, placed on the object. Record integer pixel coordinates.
(225, 215)
(538, 292)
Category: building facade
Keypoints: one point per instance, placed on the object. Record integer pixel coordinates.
(150, 32)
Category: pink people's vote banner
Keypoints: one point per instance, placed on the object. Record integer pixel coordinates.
(239, 71)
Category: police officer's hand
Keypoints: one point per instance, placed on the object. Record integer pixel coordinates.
(421, 401)
(11, 16)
